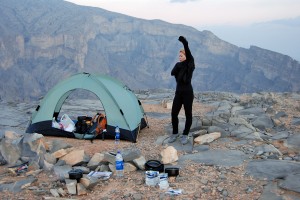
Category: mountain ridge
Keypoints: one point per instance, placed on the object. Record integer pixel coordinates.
(43, 42)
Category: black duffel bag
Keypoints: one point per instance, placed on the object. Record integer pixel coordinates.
(83, 124)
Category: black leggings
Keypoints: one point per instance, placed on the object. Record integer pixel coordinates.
(184, 98)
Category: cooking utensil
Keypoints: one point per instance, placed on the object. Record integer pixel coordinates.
(154, 165)
(172, 171)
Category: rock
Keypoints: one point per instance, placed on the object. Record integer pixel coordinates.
(60, 163)
(11, 149)
(277, 122)
(129, 167)
(270, 192)
(213, 129)
(33, 145)
(268, 148)
(241, 131)
(61, 152)
(140, 162)
(84, 169)
(47, 166)
(71, 186)
(89, 182)
(62, 171)
(76, 157)
(169, 155)
(280, 135)
(108, 157)
(2, 160)
(293, 143)
(58, 145)
(280, 114)
(17, 186)
(130, 154)
(216, 157)
(81, 190)
(263, 122)
(296, 121)
(206, 122)
(96, 159)
(291, 182)
(11, 135)
(207, 138)
(238, 121)
(169, 105)
(54, 192)
(104, 168)
(50, 158)
(62, 192)
(255, 111)
(272, 169)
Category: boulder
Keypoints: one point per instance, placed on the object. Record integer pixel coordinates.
(169, 155)
(11, 149)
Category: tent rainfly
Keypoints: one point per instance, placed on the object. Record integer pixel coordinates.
(122, 108)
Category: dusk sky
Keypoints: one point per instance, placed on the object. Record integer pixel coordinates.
(228, 19)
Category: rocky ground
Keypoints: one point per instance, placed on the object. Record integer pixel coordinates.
(197, 180)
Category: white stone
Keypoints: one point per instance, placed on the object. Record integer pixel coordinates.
(207, 138)
(169, 155)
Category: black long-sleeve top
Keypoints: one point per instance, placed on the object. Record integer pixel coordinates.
(183, 71)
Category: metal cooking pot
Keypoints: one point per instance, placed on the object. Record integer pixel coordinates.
(75, 174)
(172, 171)
(154, 165)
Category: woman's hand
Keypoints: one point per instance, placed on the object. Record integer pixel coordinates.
(183, 40)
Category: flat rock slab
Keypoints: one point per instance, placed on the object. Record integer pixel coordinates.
(17, 186)
(157, 115)
(293, 142)
(270, 192)
(291, 182)
(216, 157)
(272, 169)
(163, 140)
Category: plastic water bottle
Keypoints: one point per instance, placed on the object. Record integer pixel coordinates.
(117, 137)
(119, 165)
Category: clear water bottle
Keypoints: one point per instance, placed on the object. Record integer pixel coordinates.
(117, 137)
(119, 165)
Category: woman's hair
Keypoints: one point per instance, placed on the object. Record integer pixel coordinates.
(182, 51)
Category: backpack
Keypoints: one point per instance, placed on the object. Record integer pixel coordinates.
(90, 127)
(83, 124)
(99, 124)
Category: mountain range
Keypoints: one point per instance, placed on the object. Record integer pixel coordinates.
(45, 41)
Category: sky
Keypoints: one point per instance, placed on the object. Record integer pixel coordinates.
(228, 19)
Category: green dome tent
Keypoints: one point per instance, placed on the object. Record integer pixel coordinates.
(121, 106)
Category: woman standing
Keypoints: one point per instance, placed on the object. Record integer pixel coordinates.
(184, 94)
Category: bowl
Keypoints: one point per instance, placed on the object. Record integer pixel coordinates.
(154, 165)
(172, 171)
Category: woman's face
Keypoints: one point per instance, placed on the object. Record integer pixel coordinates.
(181, 57)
